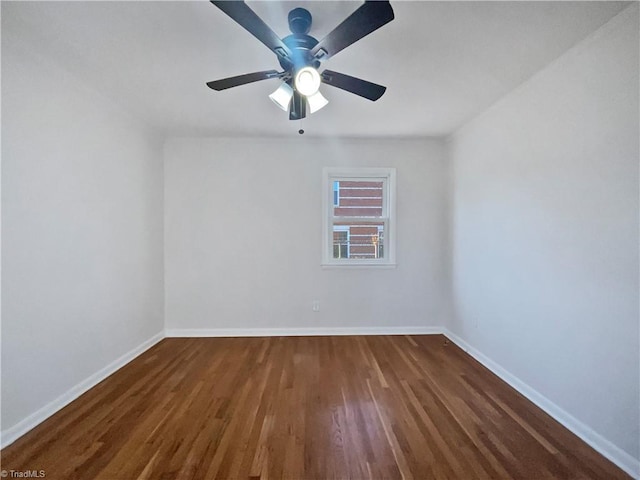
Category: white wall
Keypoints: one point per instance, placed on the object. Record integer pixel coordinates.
(243, 236)
(82, 234)
(545, 233)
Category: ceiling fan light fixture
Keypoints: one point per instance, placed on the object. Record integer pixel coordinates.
(316, 102)
(282, 96)
(307, 81)
(300, 55)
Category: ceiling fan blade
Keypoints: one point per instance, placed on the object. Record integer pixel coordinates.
(365, 89)
(366, 19)
(298, 107)
(250, 21)
(225, 83)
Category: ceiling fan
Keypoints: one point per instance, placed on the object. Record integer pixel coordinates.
(300, 55)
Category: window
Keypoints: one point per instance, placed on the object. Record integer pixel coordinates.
(358, 216)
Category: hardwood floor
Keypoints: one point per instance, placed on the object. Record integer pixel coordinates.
(411, 407)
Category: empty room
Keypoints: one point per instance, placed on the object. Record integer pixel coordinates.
(320, 240)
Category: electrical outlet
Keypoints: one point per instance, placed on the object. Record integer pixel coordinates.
(315, 305)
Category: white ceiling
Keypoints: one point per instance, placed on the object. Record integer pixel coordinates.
(442, 62)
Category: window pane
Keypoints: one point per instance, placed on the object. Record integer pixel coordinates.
(357, 198)
(358, 240)
(340, 243)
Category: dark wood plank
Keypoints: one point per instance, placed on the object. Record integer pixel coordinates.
(379, 407)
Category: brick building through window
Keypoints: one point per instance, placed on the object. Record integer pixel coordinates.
(354, 202)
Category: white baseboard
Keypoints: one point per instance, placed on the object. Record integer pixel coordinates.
(11, 434)
(618, 456)
(299, 332)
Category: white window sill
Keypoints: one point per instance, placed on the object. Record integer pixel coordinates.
(329, 266)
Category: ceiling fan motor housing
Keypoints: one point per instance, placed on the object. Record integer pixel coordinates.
(300, 46)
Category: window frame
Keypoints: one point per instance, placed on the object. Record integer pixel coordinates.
(388, 177)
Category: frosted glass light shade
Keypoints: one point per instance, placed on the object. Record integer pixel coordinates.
(316, 102)
(282, 96)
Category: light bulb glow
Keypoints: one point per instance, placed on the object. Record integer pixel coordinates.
(282, 96)
(307, 81)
